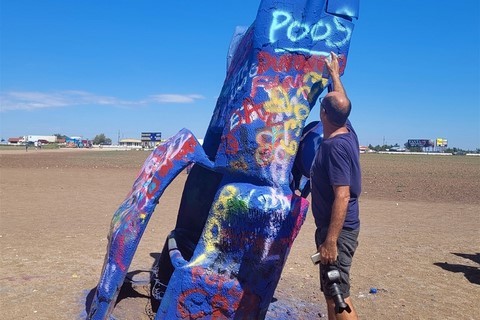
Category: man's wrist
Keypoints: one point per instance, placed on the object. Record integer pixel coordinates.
(335, 77)
(331, 241)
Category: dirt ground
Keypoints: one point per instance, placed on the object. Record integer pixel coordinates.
(419, 242)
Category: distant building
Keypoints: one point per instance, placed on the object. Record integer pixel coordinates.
(15, 140)
(32, 139)
(397, 149)
(130, 142)
(35, 138)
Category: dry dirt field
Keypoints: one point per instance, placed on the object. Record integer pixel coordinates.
(419, 243)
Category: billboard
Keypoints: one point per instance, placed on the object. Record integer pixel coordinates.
(151, 136)
(442, 142)
(423, 143)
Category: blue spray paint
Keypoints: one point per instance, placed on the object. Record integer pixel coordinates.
(239, 214)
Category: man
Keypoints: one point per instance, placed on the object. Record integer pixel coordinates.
(336, 186)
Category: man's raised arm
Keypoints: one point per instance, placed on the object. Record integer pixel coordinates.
(334, 71)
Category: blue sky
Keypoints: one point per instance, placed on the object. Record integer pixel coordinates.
(123, 67)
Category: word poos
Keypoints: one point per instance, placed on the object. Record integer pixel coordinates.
(296, 31)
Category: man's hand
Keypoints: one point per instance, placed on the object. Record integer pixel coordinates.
(333, 69)
(332, 65)
(328, 252)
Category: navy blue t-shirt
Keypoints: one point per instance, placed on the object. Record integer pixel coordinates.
(336, 163)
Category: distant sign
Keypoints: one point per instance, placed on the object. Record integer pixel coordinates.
(442, 142)
(151, 136)
(423, 143)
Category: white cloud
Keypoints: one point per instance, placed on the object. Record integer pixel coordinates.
(25, 100)
(175, 98)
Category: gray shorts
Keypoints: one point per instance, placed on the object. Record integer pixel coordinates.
(346, 244)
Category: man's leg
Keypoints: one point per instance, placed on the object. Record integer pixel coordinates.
(341, 316)
(346, 244)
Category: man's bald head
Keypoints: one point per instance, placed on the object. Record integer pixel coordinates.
(337, 108)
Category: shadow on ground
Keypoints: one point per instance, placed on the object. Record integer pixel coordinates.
(128, 290)
(472, 274)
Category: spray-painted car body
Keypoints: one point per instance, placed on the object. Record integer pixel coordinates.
(239, 213)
